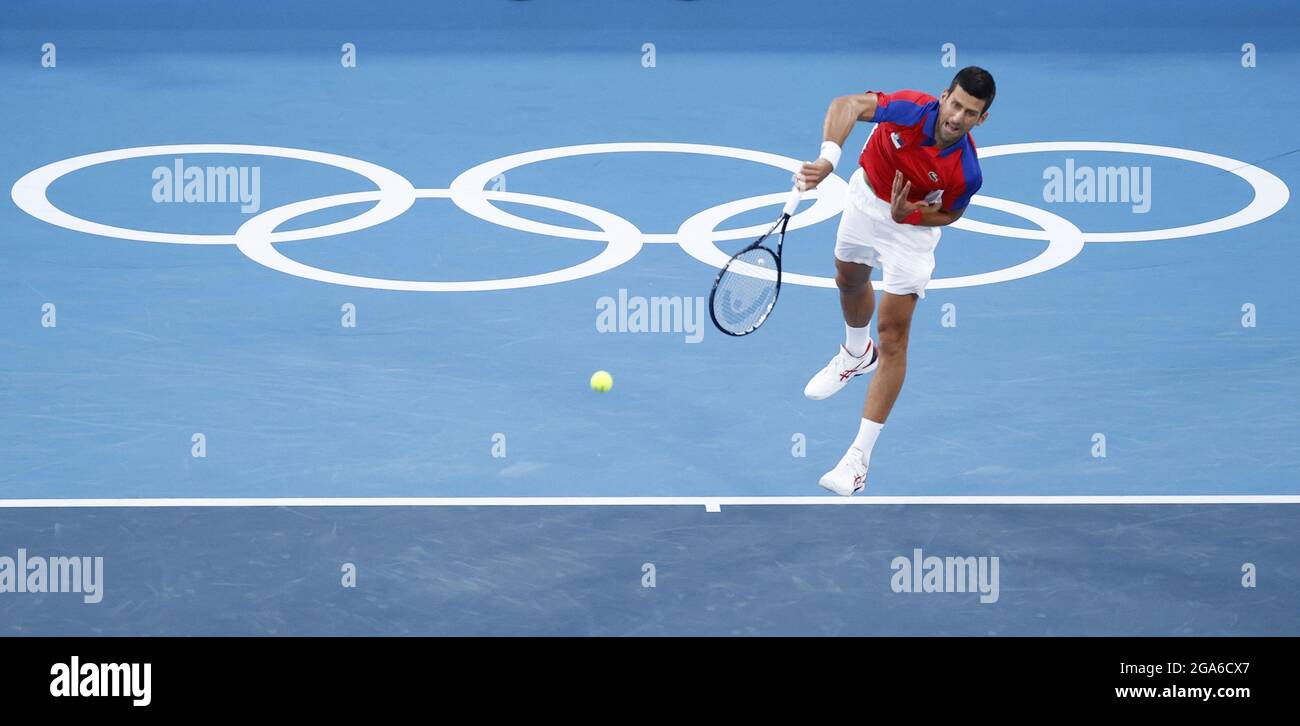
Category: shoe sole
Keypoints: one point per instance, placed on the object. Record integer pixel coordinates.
(822, 483)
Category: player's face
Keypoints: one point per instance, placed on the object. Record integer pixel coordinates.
(959, 112)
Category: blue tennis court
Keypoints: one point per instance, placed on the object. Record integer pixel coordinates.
(297, 292)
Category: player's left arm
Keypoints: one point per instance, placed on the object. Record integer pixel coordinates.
(922, 214)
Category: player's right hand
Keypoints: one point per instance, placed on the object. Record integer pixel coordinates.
(811, 173)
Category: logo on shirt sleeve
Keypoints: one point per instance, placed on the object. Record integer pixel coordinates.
(898, 140)
(934, 177)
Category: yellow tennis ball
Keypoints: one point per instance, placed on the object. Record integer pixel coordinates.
(601, 381)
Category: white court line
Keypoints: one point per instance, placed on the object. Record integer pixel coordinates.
(641, 501)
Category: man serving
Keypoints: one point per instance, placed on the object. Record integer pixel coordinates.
(916, 174)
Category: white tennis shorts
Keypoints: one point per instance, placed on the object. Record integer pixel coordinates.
(868, 235)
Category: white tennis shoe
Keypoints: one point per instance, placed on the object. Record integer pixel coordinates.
(849, 476)
(843, 368)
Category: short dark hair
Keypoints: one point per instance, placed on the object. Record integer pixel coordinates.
(977, 82)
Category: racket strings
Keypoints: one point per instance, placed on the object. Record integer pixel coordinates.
(746, 291)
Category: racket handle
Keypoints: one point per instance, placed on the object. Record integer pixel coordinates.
(792, 201)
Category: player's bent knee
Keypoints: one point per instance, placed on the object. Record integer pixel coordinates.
(847, 283)
(852, 276)
(892, 348)
(892, 337)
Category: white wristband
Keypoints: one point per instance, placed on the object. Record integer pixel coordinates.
(831, 152)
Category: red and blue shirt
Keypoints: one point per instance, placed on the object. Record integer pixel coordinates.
(903, 140)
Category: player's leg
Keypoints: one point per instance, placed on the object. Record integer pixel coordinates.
(854, 258)
(893, 327)
(893, 323)
(907, 265)
(857, 302)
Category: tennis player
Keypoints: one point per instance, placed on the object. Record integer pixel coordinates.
(916, 174)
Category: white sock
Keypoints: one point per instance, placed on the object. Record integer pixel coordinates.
(855, 339)
(868, 430)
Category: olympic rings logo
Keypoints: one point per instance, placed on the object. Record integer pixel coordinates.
(698, 236)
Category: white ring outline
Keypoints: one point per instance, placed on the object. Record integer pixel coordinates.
(1064, 243)
(396, 194)
(469, 182)
(255, 240)
(1270, 193)
(30, 192)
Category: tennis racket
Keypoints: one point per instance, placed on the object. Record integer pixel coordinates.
(746, 290)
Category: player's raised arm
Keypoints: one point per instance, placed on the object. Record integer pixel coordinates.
(844, 111)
